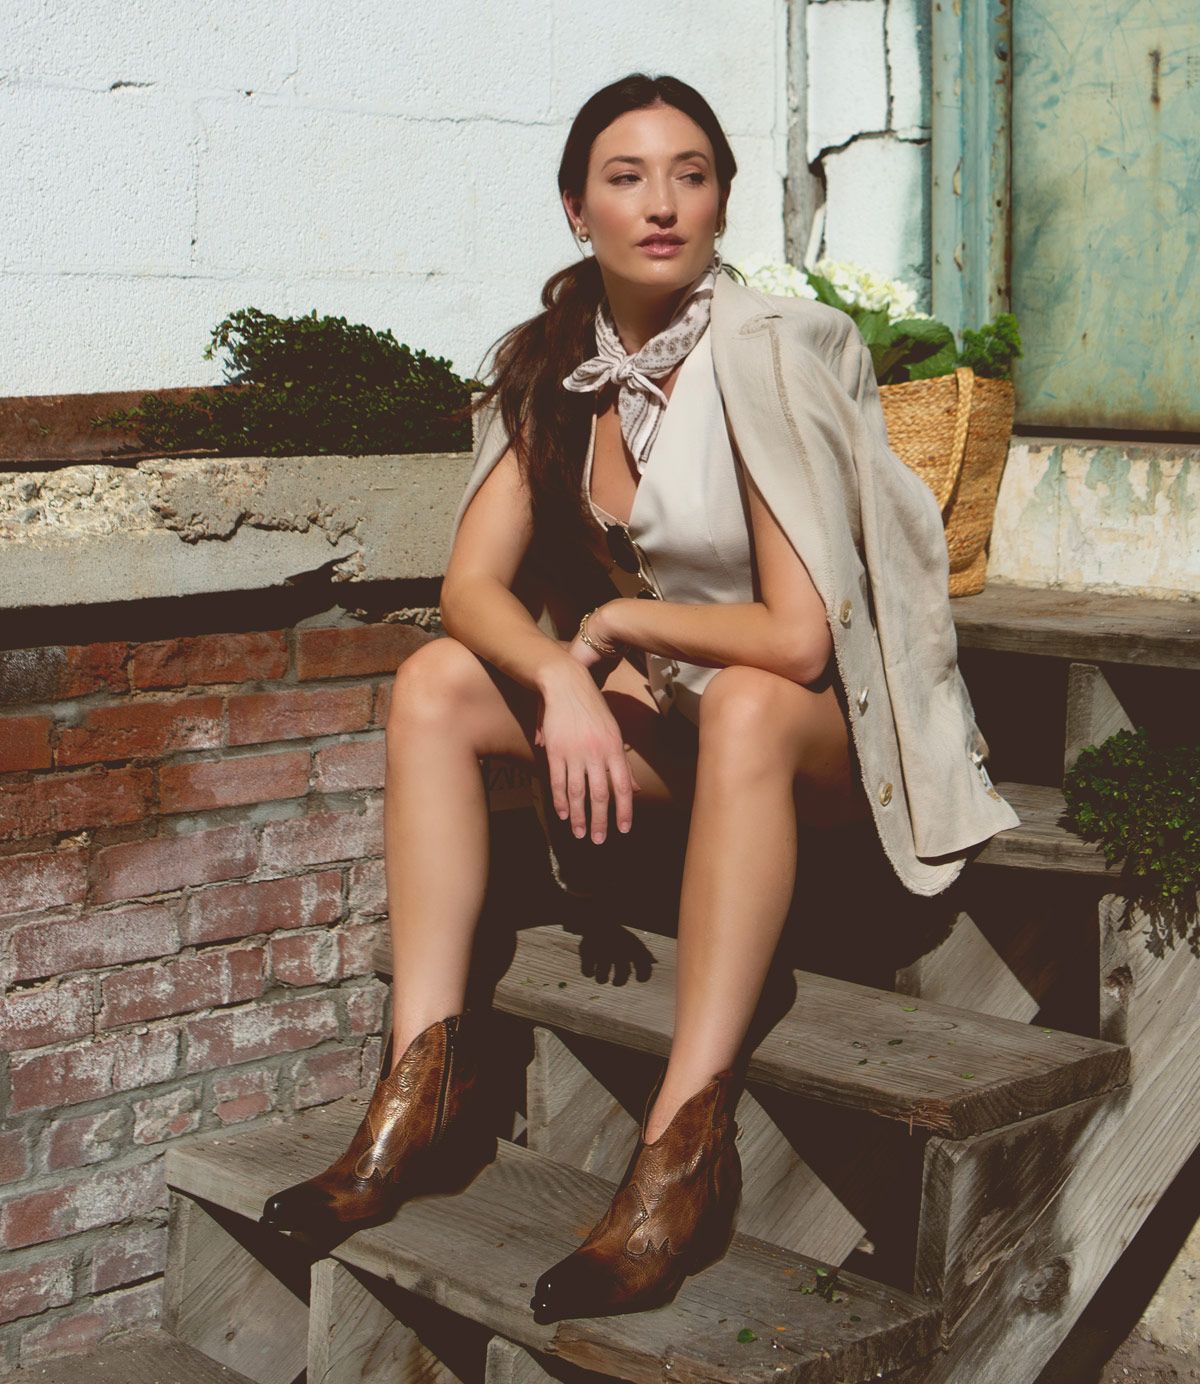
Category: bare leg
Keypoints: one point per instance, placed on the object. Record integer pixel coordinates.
(770, 751)
(448, 708)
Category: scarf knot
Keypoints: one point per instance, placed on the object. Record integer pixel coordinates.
(640, 402)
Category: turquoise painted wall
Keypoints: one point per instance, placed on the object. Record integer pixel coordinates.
(1105, 187)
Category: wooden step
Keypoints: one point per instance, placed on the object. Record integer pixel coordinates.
(1041, 842)
(1084, 625)
(479, 1253)
(136, 1357)
(945, 1069)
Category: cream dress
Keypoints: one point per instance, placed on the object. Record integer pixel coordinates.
(690, 517)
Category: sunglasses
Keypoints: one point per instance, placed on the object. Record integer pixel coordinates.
(630, 558)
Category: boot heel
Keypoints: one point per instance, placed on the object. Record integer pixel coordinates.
(713, 1244)
(460, 1158)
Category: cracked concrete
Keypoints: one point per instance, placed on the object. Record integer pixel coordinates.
(187, 526)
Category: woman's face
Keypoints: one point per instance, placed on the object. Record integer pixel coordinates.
(650, 174)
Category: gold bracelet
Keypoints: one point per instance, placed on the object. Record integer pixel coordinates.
(591, 643)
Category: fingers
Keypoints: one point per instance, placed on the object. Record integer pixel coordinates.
(576, 788)
(598, 783)
(623, 789)
(557, 767)
(577, 785)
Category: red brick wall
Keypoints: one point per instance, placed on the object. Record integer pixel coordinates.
(190, 887)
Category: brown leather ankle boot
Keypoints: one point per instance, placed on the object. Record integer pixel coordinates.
(424, 1130)
(672, 1214)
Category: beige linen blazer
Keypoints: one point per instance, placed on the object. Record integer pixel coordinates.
(804, 415)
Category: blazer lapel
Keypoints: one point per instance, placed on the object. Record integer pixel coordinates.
(747, 361)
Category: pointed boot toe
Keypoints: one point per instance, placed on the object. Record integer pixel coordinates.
(425, 1128)
(672, 1214)
(577, 1286)
(302, 1207)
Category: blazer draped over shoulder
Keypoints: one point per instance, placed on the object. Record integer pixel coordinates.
(804, 415)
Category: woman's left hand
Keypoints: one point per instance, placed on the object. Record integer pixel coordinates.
(599, 665)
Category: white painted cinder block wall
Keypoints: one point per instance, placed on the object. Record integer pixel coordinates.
(166, 163)
(868, 68)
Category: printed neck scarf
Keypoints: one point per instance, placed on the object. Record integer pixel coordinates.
(640, 402)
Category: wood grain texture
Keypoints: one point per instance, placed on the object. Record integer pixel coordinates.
(233, 1292)
(1042, 841)
(983, 1197)
(1084, 625)
(479, 1253)
(137, 1357)
(1125, 1159)
(1094, 712)
(355, 1336)
(966, 970)
(941, 1068)
(509, 1363)
(572, 1115)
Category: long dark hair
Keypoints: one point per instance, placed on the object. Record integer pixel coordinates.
(548, 424)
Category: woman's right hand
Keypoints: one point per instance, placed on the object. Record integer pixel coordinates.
(584, 751)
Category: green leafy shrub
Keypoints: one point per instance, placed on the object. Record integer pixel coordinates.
(1142, 803)
(310, 385)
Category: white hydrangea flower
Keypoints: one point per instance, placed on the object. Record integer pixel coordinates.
(862, 288)
(770, 276)
(858, 286)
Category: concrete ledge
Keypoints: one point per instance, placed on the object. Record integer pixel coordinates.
(1074, 515)
(186, 526)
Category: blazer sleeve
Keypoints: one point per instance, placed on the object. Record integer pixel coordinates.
(908, 566)
(903, 537)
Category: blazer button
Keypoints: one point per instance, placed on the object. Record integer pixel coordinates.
(862, 700)
(844, 612)
(885, 793)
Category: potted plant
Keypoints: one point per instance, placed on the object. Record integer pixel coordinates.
(948, 411)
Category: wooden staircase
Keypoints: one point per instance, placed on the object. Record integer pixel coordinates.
(937, 1176)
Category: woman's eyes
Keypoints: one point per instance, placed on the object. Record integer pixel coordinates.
(698, 177)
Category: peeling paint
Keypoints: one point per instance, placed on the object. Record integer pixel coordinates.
(1099, 517)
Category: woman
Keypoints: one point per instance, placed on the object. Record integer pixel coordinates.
(719, 458)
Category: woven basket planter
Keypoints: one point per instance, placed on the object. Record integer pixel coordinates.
(954, 432)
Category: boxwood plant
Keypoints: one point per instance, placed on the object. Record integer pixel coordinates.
(1141, 802)
(310, 385)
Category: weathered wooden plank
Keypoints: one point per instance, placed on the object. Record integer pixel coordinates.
(1042, 842)
(356, 1337)
(479, 1253)
(233, 1292)
(1094, 712)
(572, 1114)
(981, 1199)
(1126, 1157)
(966, 970)
(1085, 625)
(930, 1065)
(144, 1356)
(509, 1363)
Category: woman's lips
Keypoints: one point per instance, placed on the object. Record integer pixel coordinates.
(662, 249)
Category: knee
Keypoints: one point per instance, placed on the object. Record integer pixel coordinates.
(740, 704)
(754, 722)
(431, 684)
